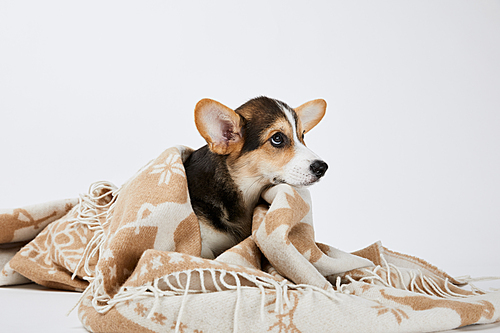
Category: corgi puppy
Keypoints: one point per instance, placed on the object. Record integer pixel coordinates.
(249, 149)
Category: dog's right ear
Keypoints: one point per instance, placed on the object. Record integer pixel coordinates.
(218, 125)
(311, 113)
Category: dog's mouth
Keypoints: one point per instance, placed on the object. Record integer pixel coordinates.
(277, 181)
(308, 181)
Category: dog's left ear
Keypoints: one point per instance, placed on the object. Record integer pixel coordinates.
(311, 113)
(218, 125)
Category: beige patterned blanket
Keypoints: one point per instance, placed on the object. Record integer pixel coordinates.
(135, 252)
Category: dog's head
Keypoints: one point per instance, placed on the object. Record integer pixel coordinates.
(264, 140)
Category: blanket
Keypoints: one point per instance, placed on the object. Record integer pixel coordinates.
(134, 252)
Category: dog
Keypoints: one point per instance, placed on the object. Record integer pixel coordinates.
(249, 149)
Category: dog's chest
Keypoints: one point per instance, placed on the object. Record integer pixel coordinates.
(213, 241)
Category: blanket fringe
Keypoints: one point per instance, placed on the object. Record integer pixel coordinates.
(164, 286)
(419, 282)
(467, 280)
(92, 209)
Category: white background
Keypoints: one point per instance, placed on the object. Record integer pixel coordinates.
(93, 90)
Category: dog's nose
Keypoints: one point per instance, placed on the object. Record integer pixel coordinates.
(318, 168)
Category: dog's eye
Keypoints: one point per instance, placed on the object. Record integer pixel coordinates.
(303, 135)
(278, 140)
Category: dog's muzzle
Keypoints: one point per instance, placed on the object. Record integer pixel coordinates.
(318, 168)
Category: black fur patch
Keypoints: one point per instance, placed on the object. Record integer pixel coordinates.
(259, 113)
(212, 191)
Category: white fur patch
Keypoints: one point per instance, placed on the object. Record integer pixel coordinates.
(291, 120)
(213, 242)
(298, 171)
